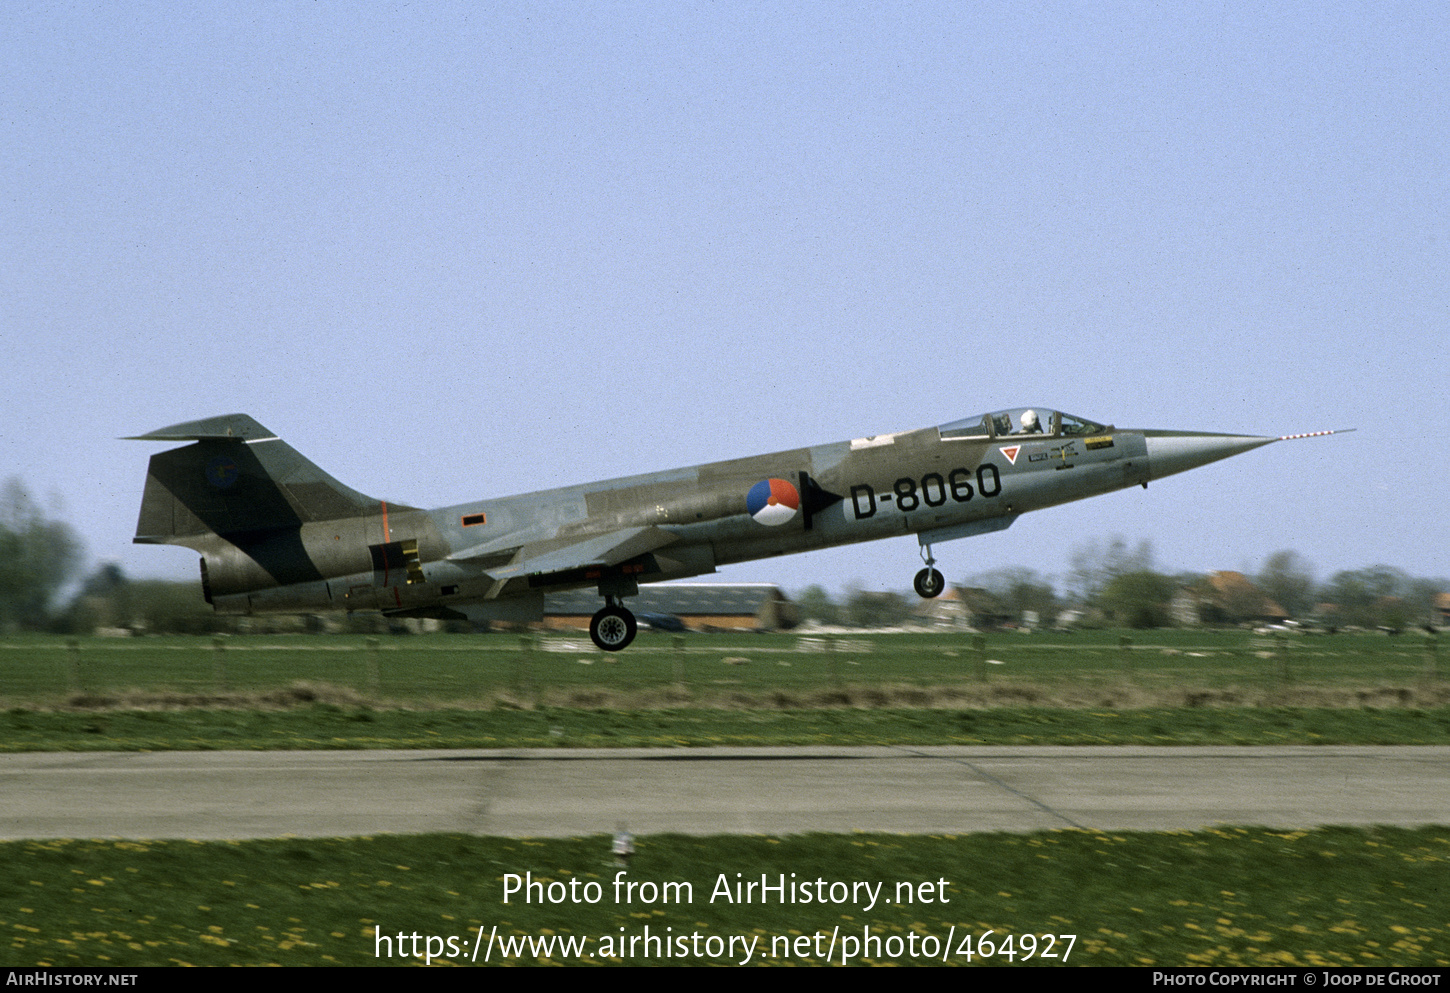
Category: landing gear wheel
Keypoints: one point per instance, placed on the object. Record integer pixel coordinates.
(612, 628)
(929, 583)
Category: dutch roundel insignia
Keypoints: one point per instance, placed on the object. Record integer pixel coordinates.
(772, 501)
(1011, 452)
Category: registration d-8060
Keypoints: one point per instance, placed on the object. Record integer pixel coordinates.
(933, 490)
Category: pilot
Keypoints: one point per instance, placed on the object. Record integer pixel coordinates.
(1030, 424)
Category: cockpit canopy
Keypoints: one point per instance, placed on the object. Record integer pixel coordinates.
(1021, 421)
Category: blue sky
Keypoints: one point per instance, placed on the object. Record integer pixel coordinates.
(450, 252)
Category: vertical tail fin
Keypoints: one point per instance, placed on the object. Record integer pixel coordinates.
(237, 479)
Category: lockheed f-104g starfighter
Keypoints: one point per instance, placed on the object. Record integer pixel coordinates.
(277, 534)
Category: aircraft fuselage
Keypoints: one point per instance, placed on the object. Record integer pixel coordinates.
(278, 534)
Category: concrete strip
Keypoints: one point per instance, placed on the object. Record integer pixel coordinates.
(565, 792)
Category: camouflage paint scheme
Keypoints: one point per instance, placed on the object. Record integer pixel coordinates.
(276, 533)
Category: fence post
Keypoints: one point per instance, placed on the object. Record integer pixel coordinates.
(219, 662)
(73, 650)
(375, 668)
(524, 665)
(1278, 646)
(833, 660)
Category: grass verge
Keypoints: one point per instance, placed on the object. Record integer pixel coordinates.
(327, 726)
(1236, 896)
(1159, 668)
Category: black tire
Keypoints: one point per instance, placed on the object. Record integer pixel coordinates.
(612, 629)
(929, 583)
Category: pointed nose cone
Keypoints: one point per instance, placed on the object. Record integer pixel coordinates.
(1179, 451)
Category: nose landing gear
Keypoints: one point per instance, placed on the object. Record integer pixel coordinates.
(929, 582)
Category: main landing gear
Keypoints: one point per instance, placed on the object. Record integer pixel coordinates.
(613, 627)
(929, 582)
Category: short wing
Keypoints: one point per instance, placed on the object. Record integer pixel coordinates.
(558, 556)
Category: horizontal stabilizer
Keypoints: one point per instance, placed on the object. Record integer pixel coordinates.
(229, 426)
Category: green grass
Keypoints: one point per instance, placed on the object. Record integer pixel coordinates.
(1223, 897)
(328, 727)
(451, 691)
(1333, 897)
(469, 667)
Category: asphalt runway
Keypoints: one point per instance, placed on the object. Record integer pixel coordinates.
(567, 792)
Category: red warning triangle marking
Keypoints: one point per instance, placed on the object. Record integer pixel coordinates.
(1011, 452)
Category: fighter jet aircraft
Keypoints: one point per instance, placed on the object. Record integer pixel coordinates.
(277, 534)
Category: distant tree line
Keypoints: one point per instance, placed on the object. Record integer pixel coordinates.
(1114, 585)
(1107, 584)
(38, 556)
(109, 600)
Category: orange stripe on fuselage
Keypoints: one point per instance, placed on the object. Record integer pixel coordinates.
(386, 539)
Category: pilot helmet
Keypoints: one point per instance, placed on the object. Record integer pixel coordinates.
(1029, 420)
